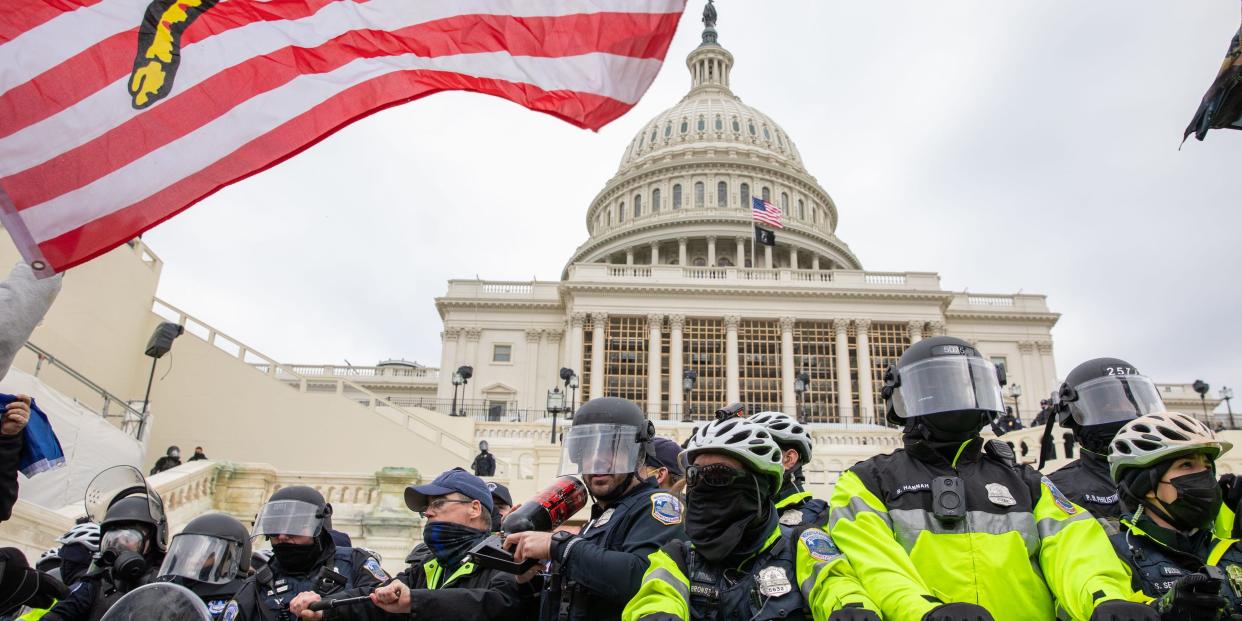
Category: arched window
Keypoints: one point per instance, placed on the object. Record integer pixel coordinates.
(724, 262)
(677, 196)
(702, 123)
(685, 126)
(699, 262)
(719, 123)
(655, 200)
(784, 204)
(751, 126)
(698, 194)
(722, 194)
(744, 192)
(653, 135)
(668, 129)
(638, 205)
(766, 134)
(801, 210)
(767, 193)
(621, 212)
(736, 127)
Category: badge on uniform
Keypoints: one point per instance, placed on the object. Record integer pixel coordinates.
(999, 495)
(216, 606)
(373, 567)
(230, 612)
(819, 544)
(1235, 579)
(791, 517)
(666, 508)
(1059, 498)
(773, 582)
(602, 519)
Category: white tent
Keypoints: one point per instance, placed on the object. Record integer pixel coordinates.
(91, 444)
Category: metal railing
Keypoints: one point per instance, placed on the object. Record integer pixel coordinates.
(113, 406)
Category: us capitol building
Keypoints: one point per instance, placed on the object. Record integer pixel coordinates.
(664, 286)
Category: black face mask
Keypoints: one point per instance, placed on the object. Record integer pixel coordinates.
(296, 558)
(717, 518)
(126, 566)
(1198, 500)
(450, 541)
(952, 426)
(1096, 438)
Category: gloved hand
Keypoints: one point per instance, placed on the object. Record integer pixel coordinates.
(1231, 489)
(958, 612)
(1193, 598)
(853, 612)
(1121, 610)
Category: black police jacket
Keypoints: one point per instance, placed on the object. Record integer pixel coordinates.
(10, 456)
(1159, 557)
(600, 569)
(265, 596)
(1086, 482)
(215, 596)
(93, 595)
(465, 592)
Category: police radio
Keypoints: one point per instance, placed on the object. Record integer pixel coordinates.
(948, 499)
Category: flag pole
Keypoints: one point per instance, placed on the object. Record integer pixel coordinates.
(753, 233)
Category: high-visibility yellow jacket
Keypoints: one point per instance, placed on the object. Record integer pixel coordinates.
(823, 581)
(1021, 551)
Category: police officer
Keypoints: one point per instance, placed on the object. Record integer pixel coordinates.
(133, 539)
(661, 463)
(1164, 465)
(944, 529)
(598, 570)
(1096, 400)
(304, 558)
(211, 557)
(740, 563)
(795, 504)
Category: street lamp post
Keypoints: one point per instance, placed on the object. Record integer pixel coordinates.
(461, 378)
(571, 385)
(1015, 391)
(801, 381)
(457, 381)
(556, 405)
(1202, 388)
(688, 379)
(1226, 393)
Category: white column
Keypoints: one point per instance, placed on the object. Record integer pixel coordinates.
(916, 330)
(767, 256)
(1050, 369)
(549, 354)
(655, 253)
(733, 391)
(600, 321)
(448, 362)
(815, 262)
(845, 401)
(573, 359)
(741, 252)
(711, 251)
(629, 256)
(676, 399)
(472, 358)
(1031, 369)
(532, 398)
(681, 250)
(653, 366)
(793, 257)
(789, 398)
(866, 395)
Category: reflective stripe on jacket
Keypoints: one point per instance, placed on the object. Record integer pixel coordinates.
(1021, 542)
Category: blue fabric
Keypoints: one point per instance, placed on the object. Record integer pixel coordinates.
(40, 447)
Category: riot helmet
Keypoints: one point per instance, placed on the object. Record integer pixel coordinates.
(214, 548)
(295, 510)
(609, 435)
(944, 385)
(1104, 391)
(120, 497)
(174, 452)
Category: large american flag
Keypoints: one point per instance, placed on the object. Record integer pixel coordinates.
(766, 212)
(117, 114)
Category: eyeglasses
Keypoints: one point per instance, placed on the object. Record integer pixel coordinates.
(438, 504)
(713, 475)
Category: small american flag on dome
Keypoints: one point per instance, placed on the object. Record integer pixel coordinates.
(766, 212)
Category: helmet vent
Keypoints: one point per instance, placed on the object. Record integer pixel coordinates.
(1147, 445)
(1174, 434)
(1122, 447)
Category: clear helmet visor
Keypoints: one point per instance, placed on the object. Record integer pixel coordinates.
(1115, 398)
(288, 517)
(114, 484)
(600, 449)
(124, 540)
(202, 558)
(947, 384)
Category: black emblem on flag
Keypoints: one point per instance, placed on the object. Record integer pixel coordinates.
(764, 236)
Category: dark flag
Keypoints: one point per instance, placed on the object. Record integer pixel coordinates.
(1222, 105)
(764, 236)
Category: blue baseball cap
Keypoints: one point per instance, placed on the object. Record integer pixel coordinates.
(664, 455)
(455, 480)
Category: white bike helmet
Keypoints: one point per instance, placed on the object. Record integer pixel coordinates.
(787, 431)
(1158, 437)
(86, 534)
(742, 439)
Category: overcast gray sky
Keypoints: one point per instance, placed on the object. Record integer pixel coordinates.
(1020, 145)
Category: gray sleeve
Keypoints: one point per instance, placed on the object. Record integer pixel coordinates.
(24, 300)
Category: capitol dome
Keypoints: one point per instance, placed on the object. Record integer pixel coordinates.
(682, 193)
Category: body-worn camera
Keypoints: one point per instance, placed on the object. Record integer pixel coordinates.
(948, 499)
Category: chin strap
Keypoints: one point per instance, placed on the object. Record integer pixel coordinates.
(1046, 440)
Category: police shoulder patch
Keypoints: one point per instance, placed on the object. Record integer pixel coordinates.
(819, 544)
(666, 508)
(216, 606)
(230, 611)
(373, 567)
(1059, 498)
